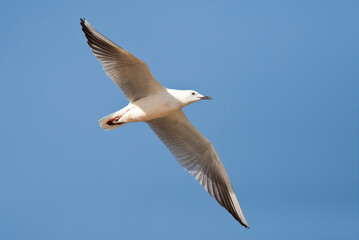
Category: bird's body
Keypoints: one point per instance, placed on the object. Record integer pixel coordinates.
(161, 108)
(148, 108)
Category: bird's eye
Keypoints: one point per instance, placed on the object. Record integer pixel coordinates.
(193, 93)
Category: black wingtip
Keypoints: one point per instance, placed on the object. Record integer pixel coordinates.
(243, 224)
(82, 21)
(240, 221)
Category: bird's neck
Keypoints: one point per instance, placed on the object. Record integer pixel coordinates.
(179, 95)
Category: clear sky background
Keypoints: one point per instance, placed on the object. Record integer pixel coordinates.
(285, 78)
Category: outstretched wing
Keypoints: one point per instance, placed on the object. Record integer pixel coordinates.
(198, 156)
(131, 74)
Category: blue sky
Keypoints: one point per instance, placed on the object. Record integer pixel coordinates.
(285, 78)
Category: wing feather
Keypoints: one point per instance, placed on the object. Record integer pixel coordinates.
(198, 156)
(131, 74)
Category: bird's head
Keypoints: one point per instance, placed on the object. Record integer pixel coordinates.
(189, 96)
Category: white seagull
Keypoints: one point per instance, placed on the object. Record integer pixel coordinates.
(161, 109)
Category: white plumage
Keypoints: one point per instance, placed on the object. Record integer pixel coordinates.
(161, 108)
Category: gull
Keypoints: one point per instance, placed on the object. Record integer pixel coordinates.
(161, 109)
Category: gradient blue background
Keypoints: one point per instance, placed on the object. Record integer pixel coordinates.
(285, 78)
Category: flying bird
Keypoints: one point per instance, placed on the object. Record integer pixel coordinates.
(161, 109)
